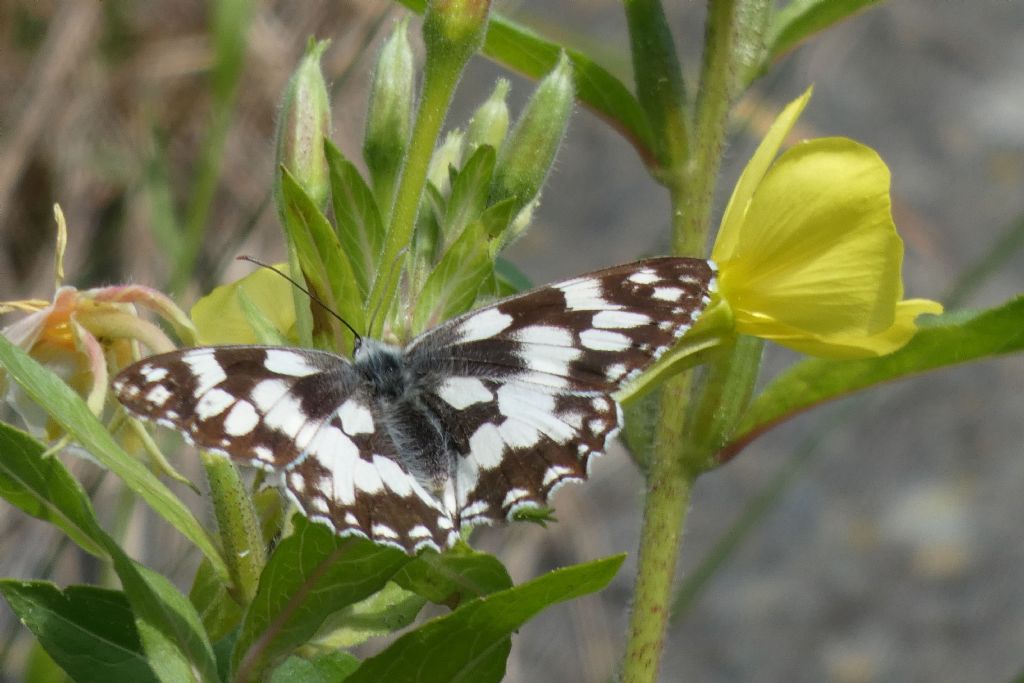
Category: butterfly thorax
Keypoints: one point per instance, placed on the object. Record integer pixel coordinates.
(396, 392)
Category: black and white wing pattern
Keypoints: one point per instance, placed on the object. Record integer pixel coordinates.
(526, 396)
(300, 414)
(474, 420)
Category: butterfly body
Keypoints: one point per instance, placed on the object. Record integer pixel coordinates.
(472, 421)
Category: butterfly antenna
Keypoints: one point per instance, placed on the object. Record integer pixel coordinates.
(308, 293)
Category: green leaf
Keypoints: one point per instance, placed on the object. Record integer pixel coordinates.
(454, 577)
(43, 488)
(452, 287)
(472, 643)
(69, 410)
(470, 190)
(222, 316)
(942, 341)
(801, 19)
(509, 279)
(360, 227)
(332, 667)
(522, 50)
(88, 631)
(168, 626)
(325, 265)
(387, 610)
(263, 328)
(312, 574)
(219, 612)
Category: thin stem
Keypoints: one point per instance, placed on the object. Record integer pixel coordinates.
(665, 506)
(675, 462)
(439, 82)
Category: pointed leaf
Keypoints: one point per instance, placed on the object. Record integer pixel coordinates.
(332, 667)
(389, 609)
(470, 190)
(360, 227)
(312, 574)
(321, 258)
(88, 631)
(69, 410)
(452, 287)
(801, 19)
(942, 341)
(472, 643)
(454, 577)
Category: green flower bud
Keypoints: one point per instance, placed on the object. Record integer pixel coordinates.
(304, 122)
(447, 155)
(454, 29)
(490, 122)
(387, 121)
(529, 151)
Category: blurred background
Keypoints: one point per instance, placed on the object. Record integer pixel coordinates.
(890, 547)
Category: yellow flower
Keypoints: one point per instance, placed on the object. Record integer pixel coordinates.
(808, 254)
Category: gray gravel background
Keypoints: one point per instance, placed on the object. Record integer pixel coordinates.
(897, 553)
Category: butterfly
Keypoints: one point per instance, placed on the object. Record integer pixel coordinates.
(472, 422)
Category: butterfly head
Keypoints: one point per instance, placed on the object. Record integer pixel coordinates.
(382, 366)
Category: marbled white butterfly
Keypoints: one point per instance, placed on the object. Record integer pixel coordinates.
(472, 421)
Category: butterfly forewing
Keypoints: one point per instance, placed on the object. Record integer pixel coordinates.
(527, 399)
(475, 420)
(299, 413)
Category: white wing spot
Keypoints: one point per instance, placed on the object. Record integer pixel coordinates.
(596, 426)
(319, 504)
(263, 453)
(298, 483)
(355, 418)
(284, 362)
(514, 496)
(462, 392)
(605, 340)
(152, 374)
(351, 520)
(393, 476)
(554, 473)
(158, 395)
(213, 403)
(367, 477)
(644, 277)
(241, 419)
(382, 531)
(207, 371)
(615, 372)
(484, 325)
(584, 294)
(486, 446)
(544, 335)
(266, 393)
(619, 319)
(667, 293)
(419, 531)
(338, 455)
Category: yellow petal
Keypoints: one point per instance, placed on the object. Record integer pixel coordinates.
(755, 170)
(817, 249)
(842, 347)
(219, 318)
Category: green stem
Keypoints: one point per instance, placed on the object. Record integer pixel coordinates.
(240, 536)
(675, 460)
(667, 500)
(439, 80)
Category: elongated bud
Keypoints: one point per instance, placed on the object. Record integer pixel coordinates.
(454, 29)
(490, 122)
(388, 118)
(304, 122)
(528, 153)
(447, 155)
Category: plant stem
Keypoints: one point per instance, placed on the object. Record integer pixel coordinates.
(665, 506)
(675, 460)
(439, 81)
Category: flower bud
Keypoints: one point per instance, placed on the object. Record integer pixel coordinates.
(304, 122)
(529, 152)
(387, 121)
(454, 29)
(447, 155)
(490, 122)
